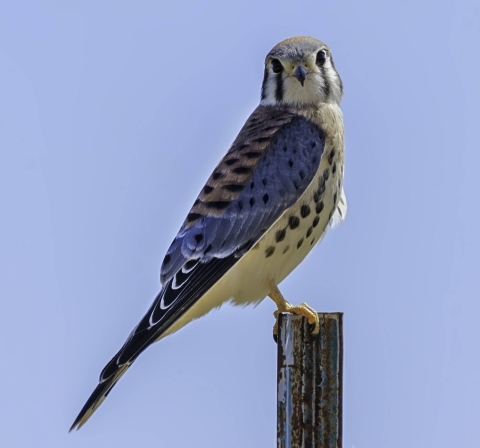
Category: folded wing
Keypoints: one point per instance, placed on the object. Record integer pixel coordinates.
(268, 167)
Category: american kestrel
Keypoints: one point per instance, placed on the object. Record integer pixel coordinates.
(266, 204)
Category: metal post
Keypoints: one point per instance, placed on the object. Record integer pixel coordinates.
(309, 382)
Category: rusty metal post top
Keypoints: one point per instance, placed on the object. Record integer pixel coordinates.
(309, 382)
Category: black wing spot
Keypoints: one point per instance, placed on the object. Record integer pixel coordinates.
(326, 174)
(197, 201)
(286, 249)
(300, 242)
(262, 139)
(207, 189)
(309, 231)
(305, 211)
(207, 250)
(316, 196)
(219, 205)
(269, 251)
(319, 207)
(198, 237)
(217, 175)
(252, 154)
(193, 217)
(290, 163)
(252, 201)
(316, 220)
(234, 188)
(313, 144)
(265, 198)
(242, 170)
(167, 259)
(296, 184)
(240, 205)
(293, 222)
(230, 162)
(285, 148)
(335, 198)
(264, 181)
(302, 174)
(280, 235)
(252, 185)
(334, 168)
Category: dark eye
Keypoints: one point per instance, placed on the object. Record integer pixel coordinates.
(277, 66)
(321, 57)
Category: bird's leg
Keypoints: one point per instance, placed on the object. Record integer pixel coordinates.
(285, 307)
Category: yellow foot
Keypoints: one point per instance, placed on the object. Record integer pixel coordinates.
(284, 307)
(302, 310)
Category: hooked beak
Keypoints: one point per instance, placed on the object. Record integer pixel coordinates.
(300, 73)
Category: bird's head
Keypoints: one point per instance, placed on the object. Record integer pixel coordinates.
(300, 71)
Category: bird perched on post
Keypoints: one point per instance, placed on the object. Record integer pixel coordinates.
(266, 204)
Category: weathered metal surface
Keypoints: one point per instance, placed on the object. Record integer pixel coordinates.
(309, 382)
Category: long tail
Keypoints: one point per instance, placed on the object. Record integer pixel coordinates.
(136, 343)
(97, 397)
(139, 339)
(170, 305)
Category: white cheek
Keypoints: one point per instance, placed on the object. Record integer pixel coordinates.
(270, 91)
(334, 82)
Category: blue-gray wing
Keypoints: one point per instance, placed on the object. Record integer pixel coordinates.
(269, 166)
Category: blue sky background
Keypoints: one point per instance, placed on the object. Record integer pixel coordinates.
(112, 116)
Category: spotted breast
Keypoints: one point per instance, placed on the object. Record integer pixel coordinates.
(304, 224)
